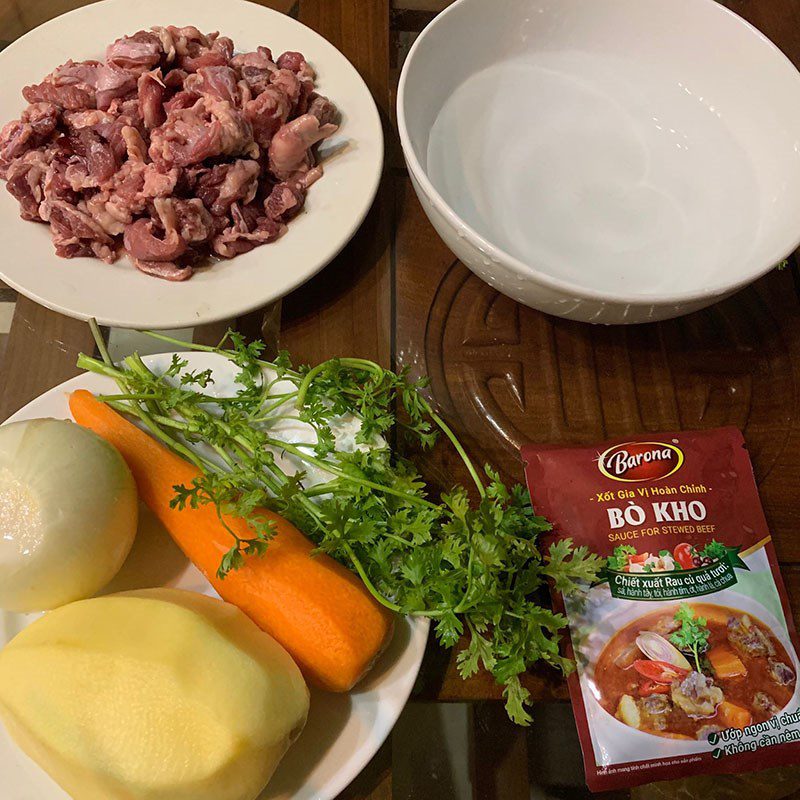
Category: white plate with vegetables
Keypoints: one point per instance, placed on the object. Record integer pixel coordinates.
(343, 730)
(281, 487)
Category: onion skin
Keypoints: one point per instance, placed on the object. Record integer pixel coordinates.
(68, 514)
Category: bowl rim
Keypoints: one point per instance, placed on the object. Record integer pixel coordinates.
(717, 290)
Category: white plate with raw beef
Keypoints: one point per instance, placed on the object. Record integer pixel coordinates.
(171, 154)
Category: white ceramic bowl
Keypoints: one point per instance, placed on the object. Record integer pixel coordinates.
(610, 161)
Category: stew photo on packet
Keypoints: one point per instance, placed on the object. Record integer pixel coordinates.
(685, 648)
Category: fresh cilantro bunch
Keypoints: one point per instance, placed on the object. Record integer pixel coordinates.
(692, 636)
(472, 568)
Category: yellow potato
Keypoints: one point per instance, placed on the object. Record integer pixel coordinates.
(628, 711)
(152, 695)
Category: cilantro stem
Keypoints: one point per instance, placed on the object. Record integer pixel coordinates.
(181, 344)
(100, 341)
(219, 350)
(362, 573)
(329, 466)
(272, 418)
(228, 528)
(461, 607)
(459, 448)
(306, 382)
(159, 434)
(109, 398)
(358, 363)
(265, 411)
(100, 367)
(322, 488)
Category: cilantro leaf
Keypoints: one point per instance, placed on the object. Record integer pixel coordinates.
(516, 697)
(715, 550)
(570, 567)
(618, 560)
(692, 636)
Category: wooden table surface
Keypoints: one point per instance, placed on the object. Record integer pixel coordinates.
(503, 374)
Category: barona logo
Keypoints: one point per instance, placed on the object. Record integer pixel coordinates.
(640, 461)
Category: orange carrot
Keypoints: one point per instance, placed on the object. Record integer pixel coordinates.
(733, 716)
(725, 663)
(318, 610)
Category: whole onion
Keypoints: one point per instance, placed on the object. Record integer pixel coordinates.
(68, 514)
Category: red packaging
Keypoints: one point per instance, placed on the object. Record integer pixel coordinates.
(685, 648)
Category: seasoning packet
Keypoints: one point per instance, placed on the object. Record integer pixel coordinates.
(685, 647)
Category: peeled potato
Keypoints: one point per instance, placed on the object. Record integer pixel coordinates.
(68, 513)
(628, 711)
(156, 694)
